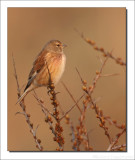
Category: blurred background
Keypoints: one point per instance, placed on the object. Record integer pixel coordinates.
(29, 29)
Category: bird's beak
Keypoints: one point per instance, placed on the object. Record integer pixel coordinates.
(64, 45)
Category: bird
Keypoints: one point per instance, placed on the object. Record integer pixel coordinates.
(50, 62)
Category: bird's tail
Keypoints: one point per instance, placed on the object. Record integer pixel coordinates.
(22, 96)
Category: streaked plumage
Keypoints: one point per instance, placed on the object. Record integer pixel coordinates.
(52, 56)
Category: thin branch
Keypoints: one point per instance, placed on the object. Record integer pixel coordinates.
(19, 113)
(98, 75)
(48, 119)
(72, 107)
(89, 98)
(101, 49)
(118, 147)
(116, 140)
(71, 96)
(79, 74)
(113, 122)
(100, 59)
(58, 128)
(27, 116)
(36, 128)
(108, 75)
(42, 105)
(15, 74)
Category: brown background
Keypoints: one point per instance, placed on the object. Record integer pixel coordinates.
(28, 30)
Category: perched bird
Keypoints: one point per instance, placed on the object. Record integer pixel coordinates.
(51, 60)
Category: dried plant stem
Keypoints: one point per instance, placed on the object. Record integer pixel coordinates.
(71, 96)
(118, 147)
(102, 121)
(116, 140)
(98, 75)
(89, 92)
(108, 75)
(44, 109)
(101, 49)
(64, 114)
(58, 128)
(99, 113)
(48, 118)
(82, 130)
(27, 116)
(73, 132)
(81, 135)
(68, 121)
(114, 122)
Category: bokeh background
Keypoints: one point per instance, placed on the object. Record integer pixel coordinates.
(28, 31)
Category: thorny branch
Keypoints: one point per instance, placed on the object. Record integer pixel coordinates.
(27, 116)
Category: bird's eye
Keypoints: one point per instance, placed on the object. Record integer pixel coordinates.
(58, 45)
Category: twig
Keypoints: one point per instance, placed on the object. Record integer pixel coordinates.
(48, 119)
(119, 147)
(71, 96)
(101, 49)
(79, 74)
(64, 114)
(108, 75)
(116, 140)
(44, 109)
(58, 128)
(89, 92)
(15, 74)
(27, 116)
(114, 122)
(82, 130)
(98, 75)
(68, 121)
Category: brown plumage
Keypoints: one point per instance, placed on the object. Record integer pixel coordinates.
(50, 58)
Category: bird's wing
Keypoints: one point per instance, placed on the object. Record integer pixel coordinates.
(37, 67)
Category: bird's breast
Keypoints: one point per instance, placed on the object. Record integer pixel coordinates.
(56, 66)
(59, 67)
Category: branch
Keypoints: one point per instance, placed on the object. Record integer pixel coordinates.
(71, 96)
(108, 75)
(48, 119)
(116, 140)
(44, 109)
(119, 147)
(27, 116)
(72, 107)
(114, 122)
(101, 49)
(58, 128)
(89, 92)
(98, 75)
